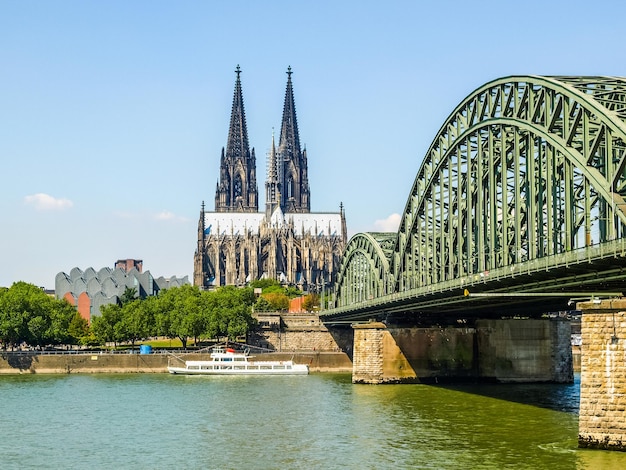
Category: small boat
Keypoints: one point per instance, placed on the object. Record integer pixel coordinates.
(230, 362)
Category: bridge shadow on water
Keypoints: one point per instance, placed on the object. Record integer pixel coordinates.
(553, 396)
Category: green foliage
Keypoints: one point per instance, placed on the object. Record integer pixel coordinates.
(263, 305)
(310, 302)
(78, 330)
(107, 327)
(269, 286)
(136, 324)
(178, 313)
(129, 294)
(278, 300)
(28, 315)
(265, 284)
(292, 292)
(230, 311)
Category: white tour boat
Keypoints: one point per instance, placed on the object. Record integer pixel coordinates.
(229, 362)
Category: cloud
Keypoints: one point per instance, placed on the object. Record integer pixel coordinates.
(169, 216)
(390, 224)
(45, 202)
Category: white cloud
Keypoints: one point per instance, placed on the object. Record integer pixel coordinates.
(169, 216)
(45, 202)
(390, 224)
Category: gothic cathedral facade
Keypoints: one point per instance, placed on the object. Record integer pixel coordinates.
(237, 243)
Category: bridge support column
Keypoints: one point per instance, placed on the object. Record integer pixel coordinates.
(494, 350)
(602, 416)
(376, 357)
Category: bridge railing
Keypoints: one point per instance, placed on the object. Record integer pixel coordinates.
(614, 248)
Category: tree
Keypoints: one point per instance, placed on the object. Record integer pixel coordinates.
(263, 305)
(28, 314)
(135, 320)
(178, 312)
(278, 300)
(107, 327)
(78, 330)
(311, 302)
(129, 294)
(23, 314)
(229, 311)
(62, 314)
(265, 284)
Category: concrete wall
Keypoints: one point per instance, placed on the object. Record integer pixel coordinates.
(525, 350)
(29, 363)
(602, 415)
(299, 332)
(495, 350)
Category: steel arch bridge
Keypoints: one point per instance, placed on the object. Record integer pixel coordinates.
(521, 193)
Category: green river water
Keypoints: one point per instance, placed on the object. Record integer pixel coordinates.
(154, 421)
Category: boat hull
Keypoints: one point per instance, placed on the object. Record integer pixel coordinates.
(296, 369)
(229, 362)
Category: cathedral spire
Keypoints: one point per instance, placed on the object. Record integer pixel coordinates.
(289, 136)
(237, 189)
(272, 194)
(237, 145)
(292, 162)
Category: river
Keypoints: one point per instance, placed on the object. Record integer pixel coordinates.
(320, 421)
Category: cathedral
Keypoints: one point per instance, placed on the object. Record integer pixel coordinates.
(237, 243)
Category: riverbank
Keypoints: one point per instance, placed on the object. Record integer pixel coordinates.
(93, 363)
(106, 363)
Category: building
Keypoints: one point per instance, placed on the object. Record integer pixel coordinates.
(238, 243)
(128, 264)
(88, 290)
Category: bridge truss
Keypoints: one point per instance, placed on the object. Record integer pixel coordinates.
(521, 190)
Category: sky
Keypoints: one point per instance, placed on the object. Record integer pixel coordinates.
(113, 114)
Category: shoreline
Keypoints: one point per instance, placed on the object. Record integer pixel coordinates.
(14, 363)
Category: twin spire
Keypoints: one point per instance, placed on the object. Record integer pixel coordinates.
(287, 179)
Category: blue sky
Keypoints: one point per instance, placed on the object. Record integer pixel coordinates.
(113, 114)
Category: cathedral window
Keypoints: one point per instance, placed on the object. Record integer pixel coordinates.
(290, 188)
(237, 186)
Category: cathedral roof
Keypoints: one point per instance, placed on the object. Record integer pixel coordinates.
(239, 223)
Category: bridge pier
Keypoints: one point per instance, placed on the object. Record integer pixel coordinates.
(602, 417)
(512, 350)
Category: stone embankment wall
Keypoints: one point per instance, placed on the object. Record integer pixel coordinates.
(72, 363)
(495, 350)
(602, 414)
(298, 332)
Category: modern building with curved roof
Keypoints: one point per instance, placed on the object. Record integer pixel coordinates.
(88, 290)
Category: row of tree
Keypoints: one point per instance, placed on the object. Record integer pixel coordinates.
(180, 312)
(28, 315)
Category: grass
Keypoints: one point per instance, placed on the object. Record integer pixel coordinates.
(166, 343)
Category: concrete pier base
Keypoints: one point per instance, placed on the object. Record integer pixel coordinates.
(602, 417)
(522, 350)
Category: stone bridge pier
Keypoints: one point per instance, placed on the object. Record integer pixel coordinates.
(602, 416)
(509, 350)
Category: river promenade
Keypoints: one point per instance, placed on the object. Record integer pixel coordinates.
(72, 362)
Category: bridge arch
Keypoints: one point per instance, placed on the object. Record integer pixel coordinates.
(525, 168)
(364, 273)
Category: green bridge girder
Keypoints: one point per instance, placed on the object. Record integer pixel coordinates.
(521, 190)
